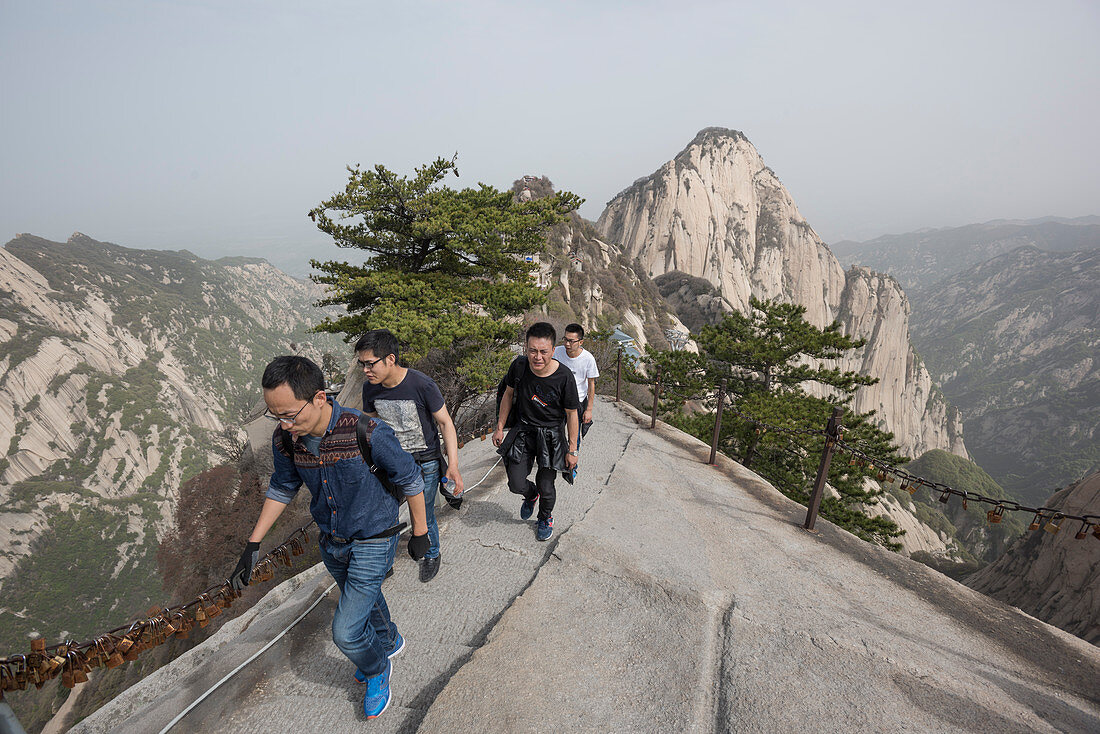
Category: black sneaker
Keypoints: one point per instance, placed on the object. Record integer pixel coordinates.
(545, 529)
(429, 567)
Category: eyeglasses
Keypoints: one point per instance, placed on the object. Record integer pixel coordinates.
(369, 363)
(567, 340)
(289, 421)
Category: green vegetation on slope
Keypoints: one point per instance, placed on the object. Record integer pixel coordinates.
(983, 540)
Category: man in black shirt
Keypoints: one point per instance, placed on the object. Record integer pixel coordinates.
(546, 399)
(411, 403)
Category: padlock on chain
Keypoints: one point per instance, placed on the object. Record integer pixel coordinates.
(996, 514)
(80, 672)
(38, 678)
(114, 657)
(56, 662)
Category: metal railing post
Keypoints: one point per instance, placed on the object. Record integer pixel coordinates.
(717, 422)
(832, 433)
(656, 397)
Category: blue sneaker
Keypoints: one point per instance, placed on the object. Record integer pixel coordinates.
(546, 529)
(527, 508)
(398, 647)
(377, 698)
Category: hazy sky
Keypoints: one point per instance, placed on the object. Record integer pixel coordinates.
(215, 126)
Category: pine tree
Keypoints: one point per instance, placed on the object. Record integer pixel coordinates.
(447, 271)
(767, 358)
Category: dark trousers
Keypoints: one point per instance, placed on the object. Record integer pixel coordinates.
(583, 426)
(543, 486)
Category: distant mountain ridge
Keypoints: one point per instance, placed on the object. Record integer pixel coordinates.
(919, 259)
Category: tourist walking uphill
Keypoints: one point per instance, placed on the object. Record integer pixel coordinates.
(546, 429)
(411, 403)
(316, 442)
(582, 364)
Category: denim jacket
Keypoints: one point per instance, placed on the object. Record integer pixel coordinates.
(347, 500)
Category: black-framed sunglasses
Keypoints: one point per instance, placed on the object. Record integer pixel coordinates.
(289, 421)
(368, 364)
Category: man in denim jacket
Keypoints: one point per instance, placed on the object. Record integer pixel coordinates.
(356, 516)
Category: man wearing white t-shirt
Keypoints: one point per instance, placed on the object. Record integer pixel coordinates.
(583, 365)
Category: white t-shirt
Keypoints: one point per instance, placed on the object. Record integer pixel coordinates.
(583, 367)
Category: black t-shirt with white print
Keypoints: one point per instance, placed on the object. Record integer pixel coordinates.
(542, 401)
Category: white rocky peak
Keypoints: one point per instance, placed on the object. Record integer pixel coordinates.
(716, 211)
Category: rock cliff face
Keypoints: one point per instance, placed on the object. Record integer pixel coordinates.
(717, 212)
(118, 368)
(1015, 342)
(1055, 577)
(593, 282)
(598, 286)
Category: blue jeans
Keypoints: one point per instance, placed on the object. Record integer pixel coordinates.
(361, 626)
(429, 471)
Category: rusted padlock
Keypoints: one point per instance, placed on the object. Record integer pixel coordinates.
(1036, 521)
(1054, 525)
(996, 514)
(7, 678)
(80, 672)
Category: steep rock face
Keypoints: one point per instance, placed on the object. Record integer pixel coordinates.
(117, 369)
(718, 213)
(1055, 577)
(596, 284)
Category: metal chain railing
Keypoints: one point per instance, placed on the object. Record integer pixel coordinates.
(72, 660)
(1048, 518)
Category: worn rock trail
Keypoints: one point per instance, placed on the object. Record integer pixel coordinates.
(674, 596)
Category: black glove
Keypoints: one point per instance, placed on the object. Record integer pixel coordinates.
(241, 574)
(418, 546)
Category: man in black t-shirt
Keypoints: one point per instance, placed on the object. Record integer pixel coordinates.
(546, 398)
(411, 403)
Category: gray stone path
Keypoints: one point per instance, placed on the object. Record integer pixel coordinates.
(674, 597)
